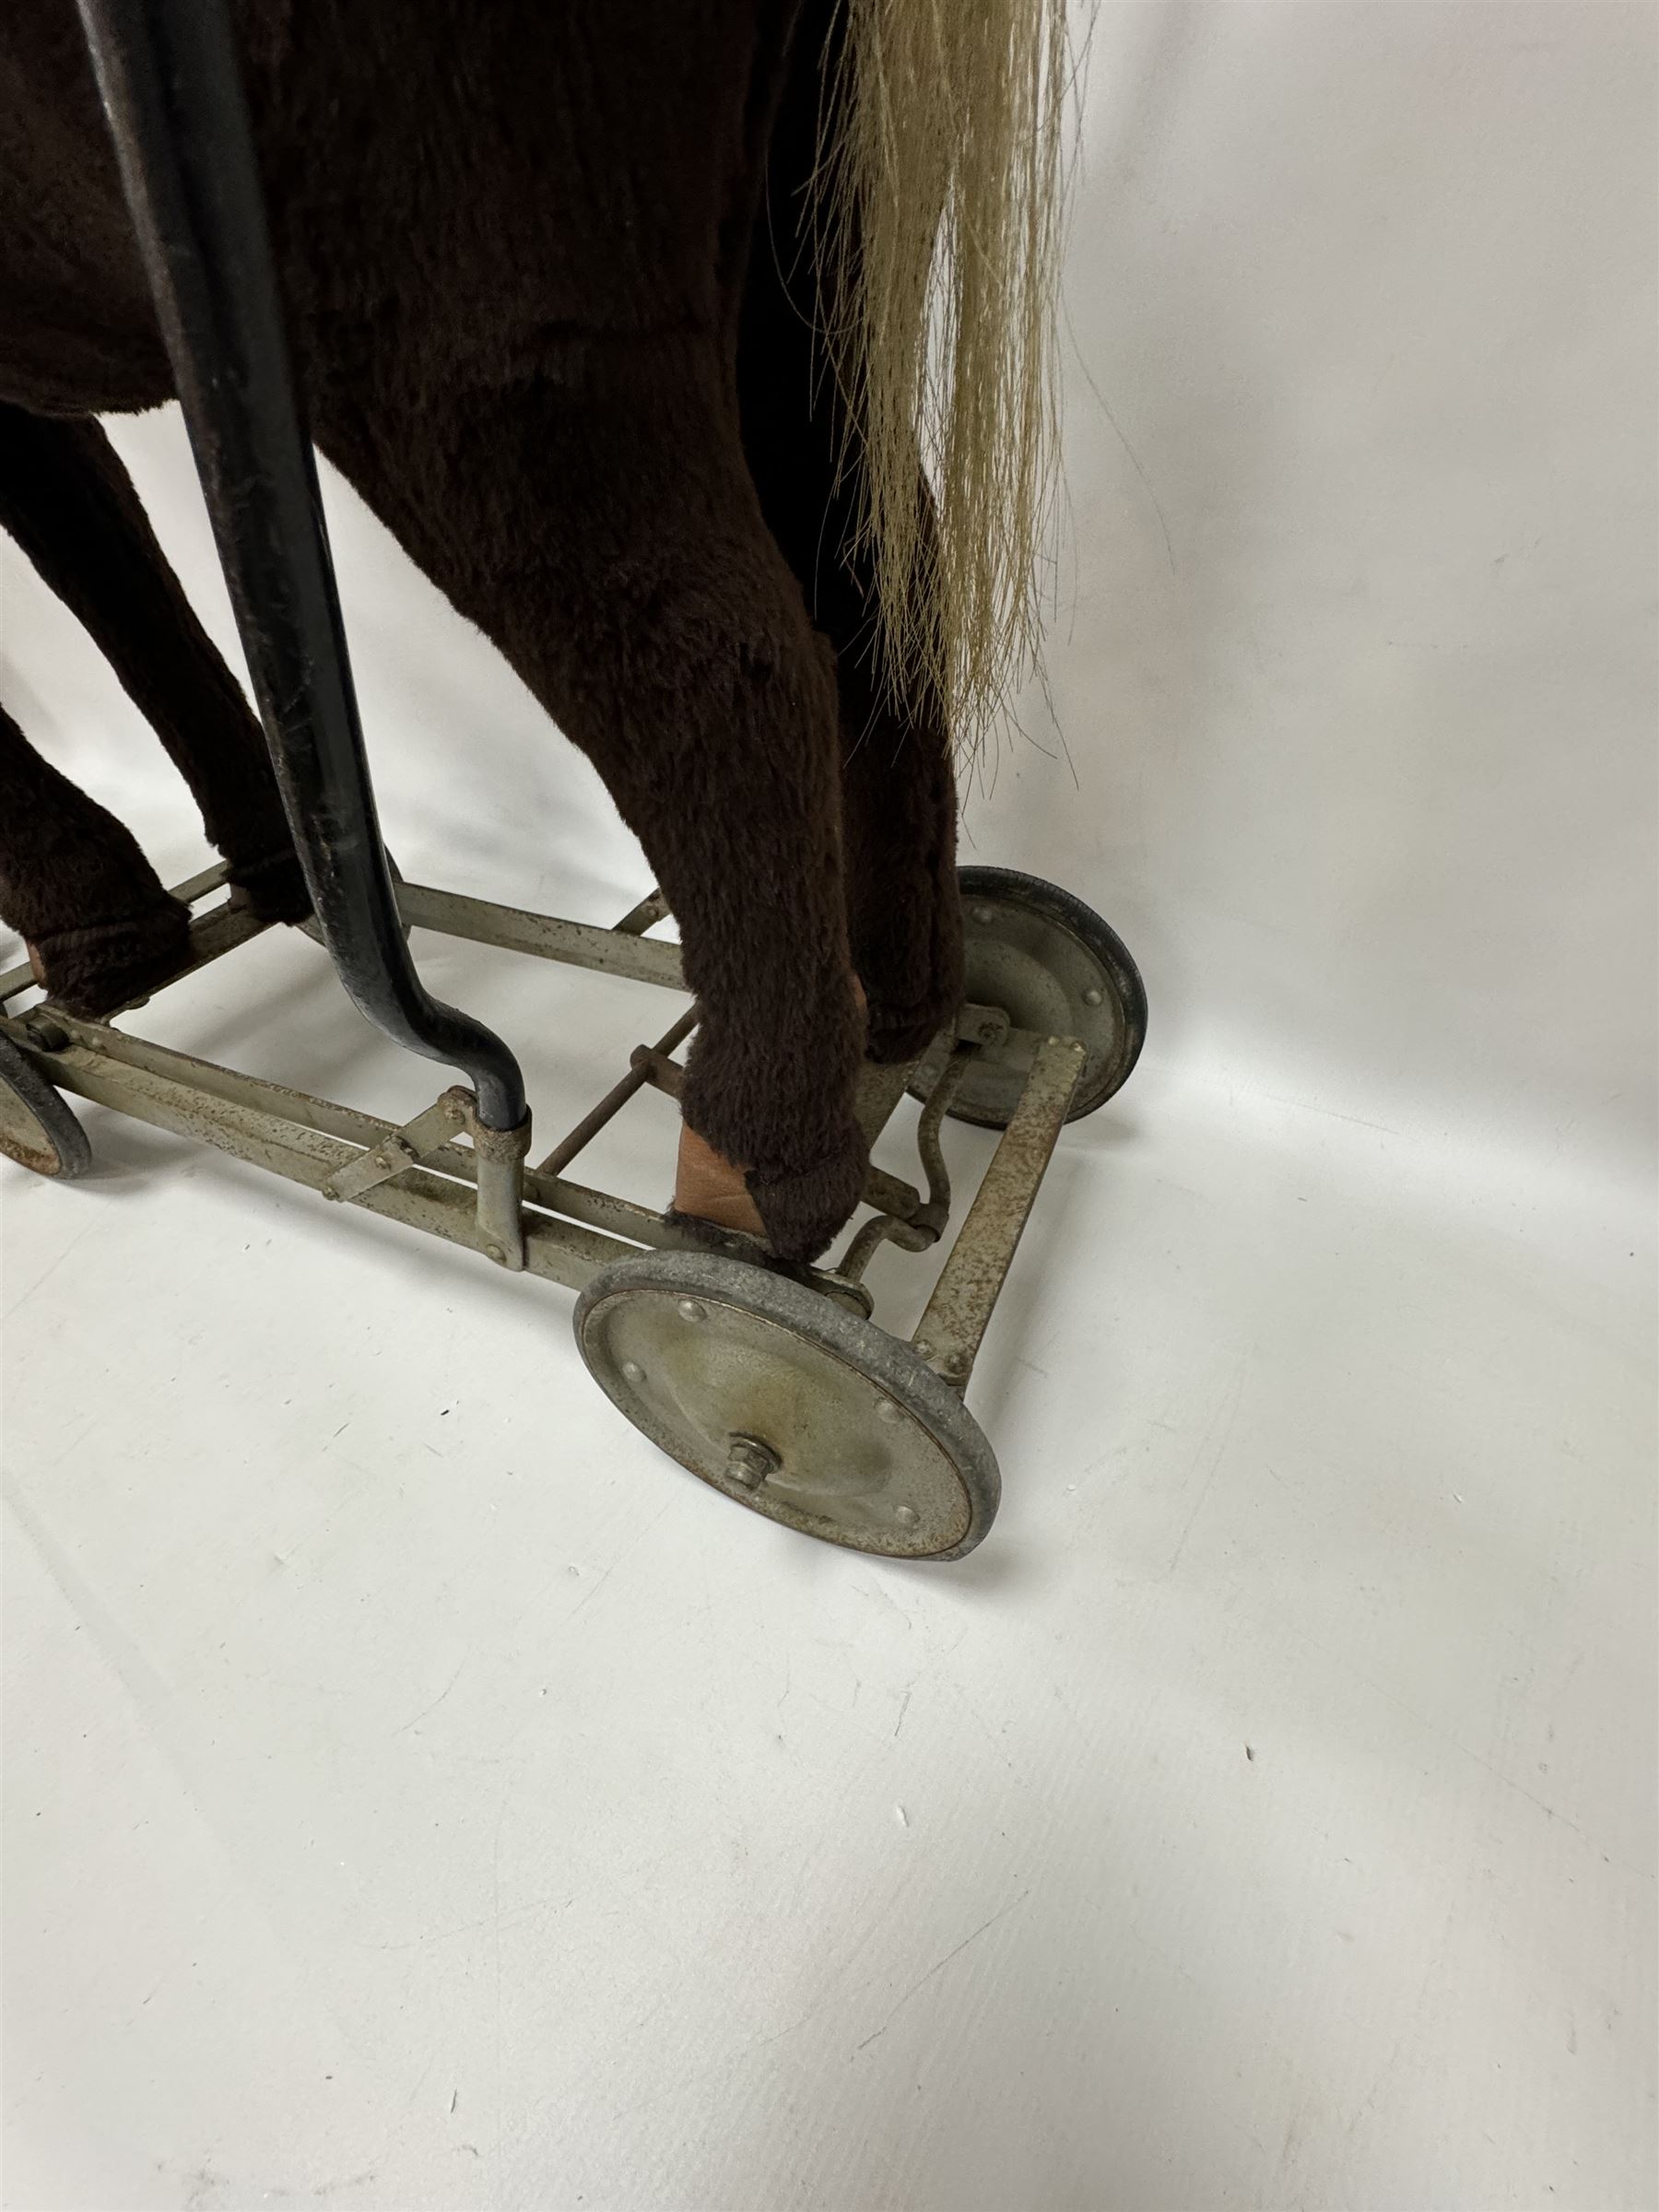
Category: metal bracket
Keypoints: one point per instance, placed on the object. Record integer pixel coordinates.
(404, 1147)
(980, 1026)
(500, 1155)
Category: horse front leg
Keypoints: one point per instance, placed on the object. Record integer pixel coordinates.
(99, 927)
(72, 507)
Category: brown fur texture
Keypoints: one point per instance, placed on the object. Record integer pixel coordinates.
(897, 792)
(92, 909)
(69, 503)
(515, 243)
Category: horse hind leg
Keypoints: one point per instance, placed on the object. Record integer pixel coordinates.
(898, 788)
(905, 910)
(71, 506)
(728, 774)
(606, 536)
(899, 795)
(99, 927)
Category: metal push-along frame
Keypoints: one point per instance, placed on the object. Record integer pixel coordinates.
(774, 1386)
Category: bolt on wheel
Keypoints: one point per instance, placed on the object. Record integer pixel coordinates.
(789, 1404)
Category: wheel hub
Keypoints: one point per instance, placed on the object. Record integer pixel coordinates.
(1055, 968)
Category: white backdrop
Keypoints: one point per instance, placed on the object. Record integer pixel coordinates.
(1353, 679)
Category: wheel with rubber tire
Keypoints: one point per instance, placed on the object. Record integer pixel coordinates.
(788, 1404)
(1055, 968)
(37, 1129)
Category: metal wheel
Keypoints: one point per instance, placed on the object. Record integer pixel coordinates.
(1056, 969)
(37, 1129)
(789, 1404)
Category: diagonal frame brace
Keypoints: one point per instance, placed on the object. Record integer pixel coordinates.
(444, 1119)
(499, 1154)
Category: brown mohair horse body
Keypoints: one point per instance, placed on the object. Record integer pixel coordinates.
(553, 295)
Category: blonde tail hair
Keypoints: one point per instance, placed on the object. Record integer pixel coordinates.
(939, 215)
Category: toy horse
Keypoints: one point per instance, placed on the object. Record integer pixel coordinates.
(636, 321)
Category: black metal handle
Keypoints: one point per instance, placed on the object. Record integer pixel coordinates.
(172, 90)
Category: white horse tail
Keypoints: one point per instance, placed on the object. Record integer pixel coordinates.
(939, 210)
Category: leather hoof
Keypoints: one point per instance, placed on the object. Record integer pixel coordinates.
(709, 1188)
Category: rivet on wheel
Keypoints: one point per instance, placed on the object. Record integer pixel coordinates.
(983, 915)
(906, 1515)
(1093, 997)
(494, 1251)
(632, 1371)
(691, 1310)
(889, 1409)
